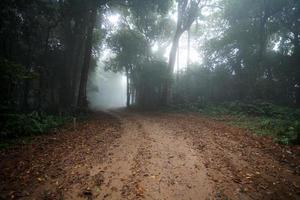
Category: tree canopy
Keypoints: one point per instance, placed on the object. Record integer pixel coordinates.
(248, 51)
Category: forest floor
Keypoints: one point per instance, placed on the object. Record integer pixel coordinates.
(155, 155)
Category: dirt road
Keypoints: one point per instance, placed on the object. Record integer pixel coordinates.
(134, 155)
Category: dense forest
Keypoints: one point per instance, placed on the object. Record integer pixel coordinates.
(246, 51)
(250, 51)
(241, 52)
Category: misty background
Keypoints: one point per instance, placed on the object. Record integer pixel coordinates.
(106, 89)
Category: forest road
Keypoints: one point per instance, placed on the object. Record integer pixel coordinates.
(151, 156)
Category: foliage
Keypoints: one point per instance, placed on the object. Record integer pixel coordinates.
(21, 125)
(258, 43)
(262, 118)
(48, 39)
(200, 84)
(150, 79)
(12, 75)
(130, 48)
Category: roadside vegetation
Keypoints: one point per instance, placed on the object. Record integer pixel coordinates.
(265, 119)
(21, 127)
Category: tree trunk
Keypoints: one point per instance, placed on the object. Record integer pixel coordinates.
(296, 63)
(127, 88)
(172, 56)
(77, 64)
(178, 65)
(82, 99)
(264, 40)
(42, 88)
(26, 88)
(65, 90)
(187, 14)
(188, 47)
(166, 93)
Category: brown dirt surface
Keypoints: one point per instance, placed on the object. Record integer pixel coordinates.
(134, 155)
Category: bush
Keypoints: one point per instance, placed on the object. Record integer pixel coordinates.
(262, 118)
(16, 125)
(287, 132)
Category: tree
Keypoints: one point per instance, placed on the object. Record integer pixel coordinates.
(130, 49)
(82, 99)
(187, 12)
(244, 41)
(150, 79)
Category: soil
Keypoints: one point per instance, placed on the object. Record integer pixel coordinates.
(155, 155)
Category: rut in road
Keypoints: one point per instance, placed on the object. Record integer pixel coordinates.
(131, 155)
(148, 161)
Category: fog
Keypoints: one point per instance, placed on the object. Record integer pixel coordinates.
(106, 89)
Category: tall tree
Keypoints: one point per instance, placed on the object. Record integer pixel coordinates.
(130, 48)
(82, 99)
(187, 12)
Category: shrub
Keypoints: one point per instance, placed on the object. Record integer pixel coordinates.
(262, 118)
(15, 125)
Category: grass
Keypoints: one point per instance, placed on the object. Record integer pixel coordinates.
(282, 123)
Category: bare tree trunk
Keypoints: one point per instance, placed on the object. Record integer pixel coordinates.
(77, 64)
(82, 99)
(166, 93)
(26, 88)
(263, 40)
(187, 13)
(296, 63)
(178, 65)
(188, 47)
(65, 90)
(42, 88)
(127, 88)
(172, 56)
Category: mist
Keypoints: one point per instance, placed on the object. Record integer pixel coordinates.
(106, 89)
(130, 86)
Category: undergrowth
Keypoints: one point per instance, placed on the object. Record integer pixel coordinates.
(283, 123)
(23, 126)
